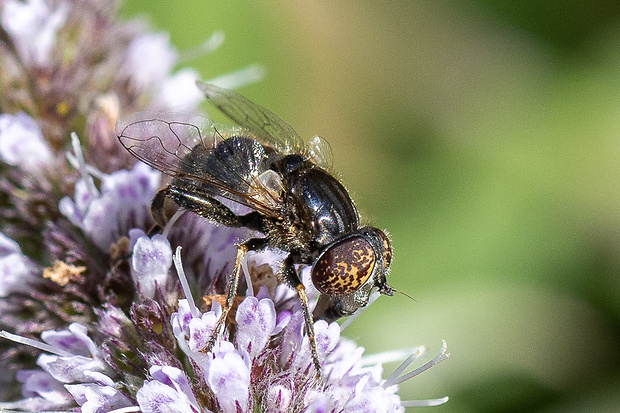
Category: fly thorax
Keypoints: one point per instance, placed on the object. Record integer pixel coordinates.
(267, 188)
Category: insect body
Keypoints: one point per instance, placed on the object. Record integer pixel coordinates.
(297, 205)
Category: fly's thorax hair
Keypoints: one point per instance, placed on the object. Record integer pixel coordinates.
(288, 235)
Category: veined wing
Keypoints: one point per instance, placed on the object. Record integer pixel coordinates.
(230, 164)
(267, 127)
(162, 143)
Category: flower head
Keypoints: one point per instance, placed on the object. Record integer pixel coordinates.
(98, 315)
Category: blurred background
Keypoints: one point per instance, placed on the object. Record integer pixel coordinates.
(485, 136)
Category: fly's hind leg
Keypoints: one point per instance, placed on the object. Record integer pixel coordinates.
(252, 244)
(203, 204)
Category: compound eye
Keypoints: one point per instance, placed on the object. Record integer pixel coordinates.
(344, 267)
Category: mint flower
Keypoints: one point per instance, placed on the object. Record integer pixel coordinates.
(16, 270)
(97, 314)
(22, 143)
(34, 26)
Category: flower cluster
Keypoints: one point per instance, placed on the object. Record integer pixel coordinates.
(98, 316)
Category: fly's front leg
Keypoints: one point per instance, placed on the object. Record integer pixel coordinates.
(250, 245)
(295, 282)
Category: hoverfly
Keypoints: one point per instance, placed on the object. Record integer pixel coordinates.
(299, 207)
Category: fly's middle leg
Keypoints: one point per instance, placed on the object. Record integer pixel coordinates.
(250, 245)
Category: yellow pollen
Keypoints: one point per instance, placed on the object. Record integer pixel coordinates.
(62, 108)
(62, 273)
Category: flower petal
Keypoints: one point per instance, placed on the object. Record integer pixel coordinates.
(22, 143)
(229, 379)
(150, 261)
(256, 321)
(94, 398)
(157, 397)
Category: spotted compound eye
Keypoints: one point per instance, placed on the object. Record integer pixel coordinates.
(344, 267)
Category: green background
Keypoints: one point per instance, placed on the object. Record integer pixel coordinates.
(485, 136)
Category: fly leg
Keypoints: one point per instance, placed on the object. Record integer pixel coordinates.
(252, 244)
(157, 209)
(203, 204)
(295, 282)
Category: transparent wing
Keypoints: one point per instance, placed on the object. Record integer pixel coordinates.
(261, 121)
(163, 143)
(320, 152)
(182, 148)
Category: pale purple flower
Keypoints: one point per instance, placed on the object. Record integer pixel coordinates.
(169, 391)
(97, 398)
(40, 391)
(73, 372)
(38, 383)
(228, 377)
(16, 270)
(75, 341)
(109, 329)
(79, 357)
(200, 330)
(33, 26)
(279, 398)
(154, 49)
(122, 203)
(179, 93)
(256, 320)
(176, 379)
(327, 337)
(150, 261)
(22, 143)
(192, 329)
